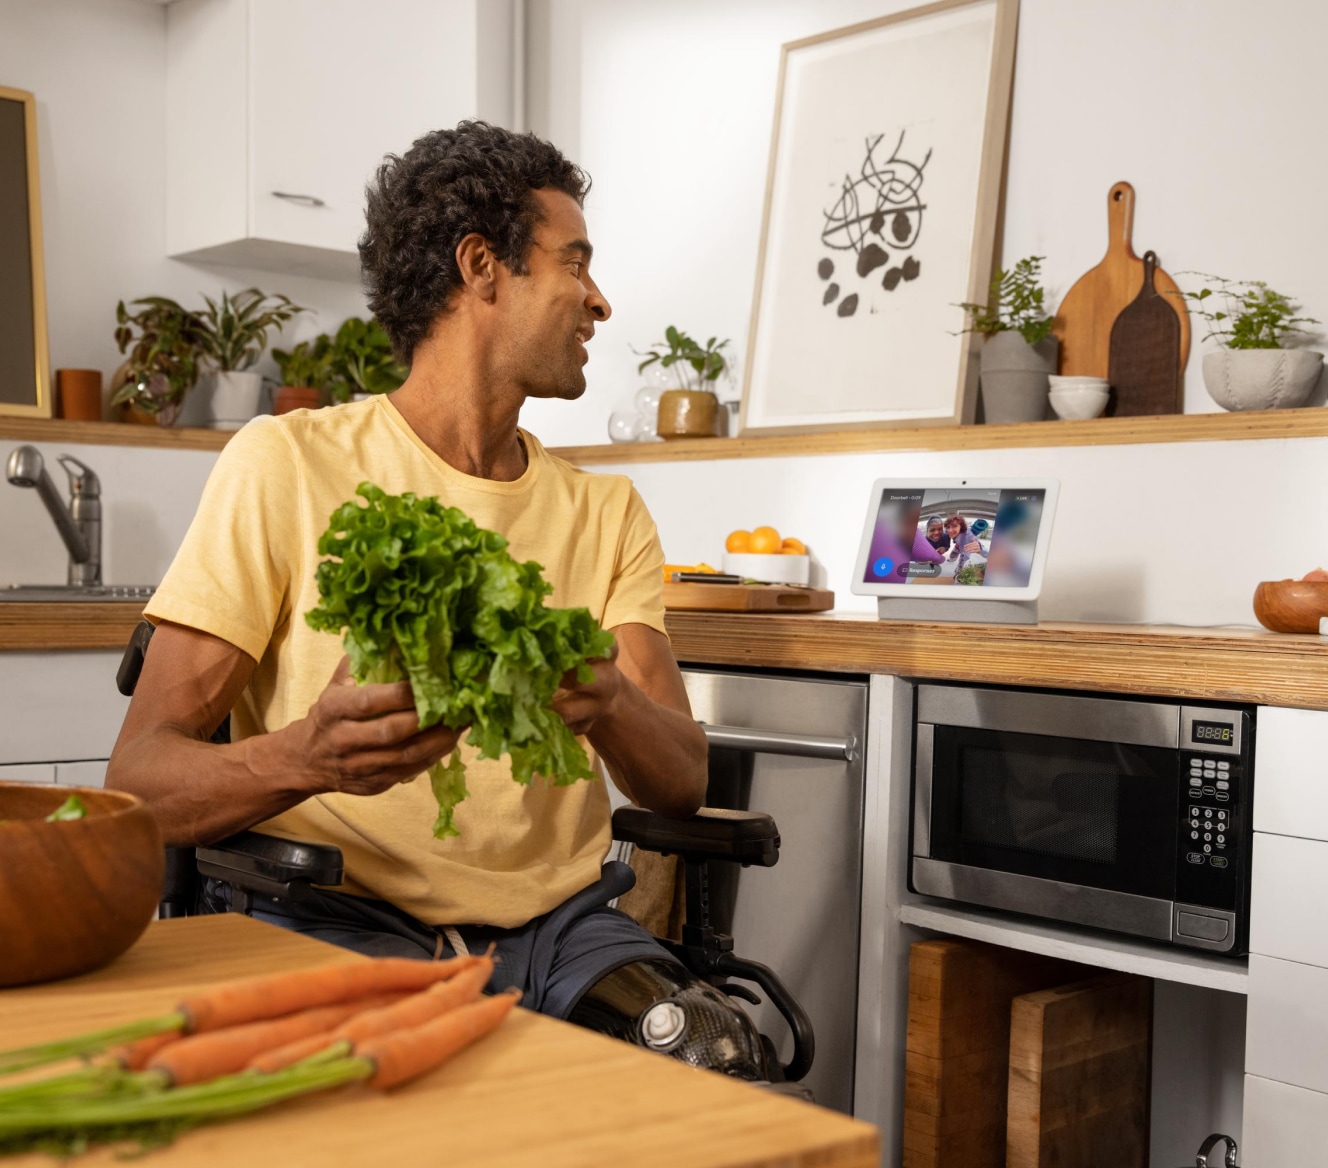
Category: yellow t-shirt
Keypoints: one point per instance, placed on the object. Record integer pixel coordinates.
(245, 573)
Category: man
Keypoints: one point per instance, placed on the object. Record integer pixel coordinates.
(477, 263)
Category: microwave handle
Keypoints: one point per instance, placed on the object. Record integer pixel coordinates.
(775, 742)
(922, 772)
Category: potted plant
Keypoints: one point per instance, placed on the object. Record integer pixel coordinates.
(691, 410)
(306, 372)
(233, 337)
(1018, 351)
(164, 342)
(360, 361)
(1254, 370)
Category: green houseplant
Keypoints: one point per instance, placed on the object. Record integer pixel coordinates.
(360, 360)
(164, 343)
(1254, 369)
(1018, 350)
(234, 335)
(306, 374)
(691, 410)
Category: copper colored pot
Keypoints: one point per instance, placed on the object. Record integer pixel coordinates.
(687, 413)
(297, 397)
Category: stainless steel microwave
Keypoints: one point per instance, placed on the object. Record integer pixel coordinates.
(1115, 813)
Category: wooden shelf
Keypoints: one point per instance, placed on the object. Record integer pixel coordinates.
(111, 434)
(1169, 963)
(1224, 427)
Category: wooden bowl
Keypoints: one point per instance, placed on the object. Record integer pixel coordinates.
(1291, 606)
(74, 894)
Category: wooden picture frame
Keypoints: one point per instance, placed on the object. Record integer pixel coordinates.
(855, 324)
(25, 367)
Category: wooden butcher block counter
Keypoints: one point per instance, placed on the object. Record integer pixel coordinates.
(1228, 664)
(536, 1092)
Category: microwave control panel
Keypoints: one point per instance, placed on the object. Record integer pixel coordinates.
(1212, 836)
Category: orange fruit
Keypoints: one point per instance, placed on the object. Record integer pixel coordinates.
(738, 542)
(793, 547)
(765, 542)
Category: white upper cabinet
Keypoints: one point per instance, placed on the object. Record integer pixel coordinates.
(280, 111)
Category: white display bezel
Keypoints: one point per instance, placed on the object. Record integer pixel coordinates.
(1030, 591)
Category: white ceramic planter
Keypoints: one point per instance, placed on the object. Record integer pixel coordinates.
(1261, 379)
(235, 398)
(1014, 377)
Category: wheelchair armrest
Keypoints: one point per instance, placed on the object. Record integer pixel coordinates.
(744, 837)
(276, 867)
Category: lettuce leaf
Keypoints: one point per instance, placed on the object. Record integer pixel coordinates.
(420, 593)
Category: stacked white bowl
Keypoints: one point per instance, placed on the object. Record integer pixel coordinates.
(1079, 397)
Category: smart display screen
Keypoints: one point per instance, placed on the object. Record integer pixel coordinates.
(955, 537)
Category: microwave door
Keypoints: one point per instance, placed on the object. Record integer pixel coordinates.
(1077, 829)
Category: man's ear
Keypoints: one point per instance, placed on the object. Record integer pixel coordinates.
(478, 266)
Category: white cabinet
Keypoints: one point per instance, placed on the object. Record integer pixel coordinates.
(1290, 794)
(278, 112)
(1284, 1125)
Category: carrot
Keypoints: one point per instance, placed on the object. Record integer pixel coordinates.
(134, 1056)
(201, 1057)
(413, 1010)
(281, 1057)
(405, 1054)
(272, 995)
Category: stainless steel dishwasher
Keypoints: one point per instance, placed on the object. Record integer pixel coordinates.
(793, 746)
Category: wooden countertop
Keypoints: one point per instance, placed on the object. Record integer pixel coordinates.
(1233, 664)
(537, 1091)
(1239, 665)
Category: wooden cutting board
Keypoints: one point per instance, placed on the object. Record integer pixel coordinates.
(1083, 322)
(747, 597)
(1079, 1063)
(958, 1047)
(1145, 354)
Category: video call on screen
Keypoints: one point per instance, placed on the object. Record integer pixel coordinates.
(955, 536)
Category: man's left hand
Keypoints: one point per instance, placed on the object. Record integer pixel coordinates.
(582, 704)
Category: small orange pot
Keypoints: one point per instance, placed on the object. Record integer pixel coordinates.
(297, 397)
(687, 413)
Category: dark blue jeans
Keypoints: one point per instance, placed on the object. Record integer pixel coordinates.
(552, 959)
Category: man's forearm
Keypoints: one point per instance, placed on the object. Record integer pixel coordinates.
(200, 792)
(659, 753)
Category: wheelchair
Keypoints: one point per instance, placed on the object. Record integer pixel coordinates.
(648, 1003)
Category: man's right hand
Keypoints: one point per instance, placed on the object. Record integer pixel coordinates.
(363, 739)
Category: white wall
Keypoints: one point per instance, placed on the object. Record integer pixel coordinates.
(669, 106)
(1196, 102)
(1204, 105)
(98, 71)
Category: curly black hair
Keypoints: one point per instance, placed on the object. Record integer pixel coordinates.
(475, 178)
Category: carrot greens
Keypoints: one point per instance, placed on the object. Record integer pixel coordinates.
(422, 594)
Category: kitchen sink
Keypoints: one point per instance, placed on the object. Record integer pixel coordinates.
(46, 593)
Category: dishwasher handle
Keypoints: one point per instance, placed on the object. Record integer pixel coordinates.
(775, 742)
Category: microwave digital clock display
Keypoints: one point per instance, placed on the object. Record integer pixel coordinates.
(1221, 733)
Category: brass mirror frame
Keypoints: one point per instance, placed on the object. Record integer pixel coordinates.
(41, 406)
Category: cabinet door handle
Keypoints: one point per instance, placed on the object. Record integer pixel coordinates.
(303, 200)
(774, 742)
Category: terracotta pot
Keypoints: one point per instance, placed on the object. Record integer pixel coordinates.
(74, 894)
(297, 397)
(687, 413)
(1014, 377)
(1261, 379)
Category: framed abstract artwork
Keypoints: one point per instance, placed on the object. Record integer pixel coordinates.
(880, 217)
(25, 378)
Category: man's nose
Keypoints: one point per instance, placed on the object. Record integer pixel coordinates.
(598, 304)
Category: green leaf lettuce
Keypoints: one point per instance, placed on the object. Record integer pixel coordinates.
(420, 593)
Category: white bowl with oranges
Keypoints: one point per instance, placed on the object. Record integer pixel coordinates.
(763, 554)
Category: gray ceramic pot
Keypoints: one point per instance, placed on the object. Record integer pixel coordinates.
(1261, 379)
(1014, 377)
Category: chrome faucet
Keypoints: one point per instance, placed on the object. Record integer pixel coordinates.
(79, 524)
